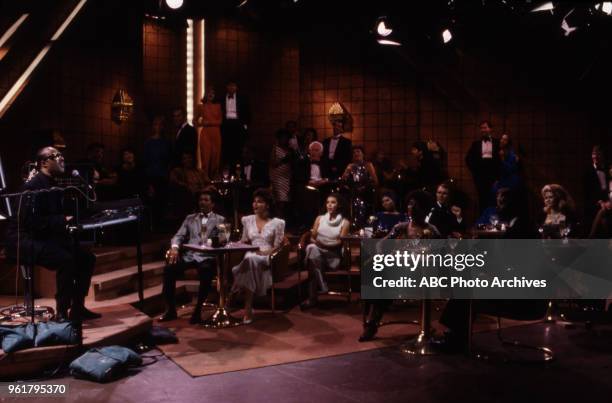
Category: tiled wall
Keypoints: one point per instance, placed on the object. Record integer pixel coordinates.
(266, 68)
(72, 89)
(394, 104)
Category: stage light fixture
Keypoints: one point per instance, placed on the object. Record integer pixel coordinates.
(447, 36)
(606, 7)
(381, 27)
(174, 4)
(567, 29)
(389, 42)
(548, 6)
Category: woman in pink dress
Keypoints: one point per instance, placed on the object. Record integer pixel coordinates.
(209, 135)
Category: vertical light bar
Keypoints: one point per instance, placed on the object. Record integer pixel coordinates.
(189, 72)
(9, 32)
(202, 53)
(19, 85)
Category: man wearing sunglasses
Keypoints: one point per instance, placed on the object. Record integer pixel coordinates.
(40, 236)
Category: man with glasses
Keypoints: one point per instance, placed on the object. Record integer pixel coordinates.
(39, 235)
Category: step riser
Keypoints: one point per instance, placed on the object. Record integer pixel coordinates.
(122, 264)
(126, 287)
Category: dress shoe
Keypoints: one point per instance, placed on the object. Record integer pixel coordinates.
(86, 314)
(369, 331)
(168, 316)
(308, 304)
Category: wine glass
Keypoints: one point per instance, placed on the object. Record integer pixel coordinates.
(494, 220)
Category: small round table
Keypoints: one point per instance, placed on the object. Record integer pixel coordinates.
(221, 318)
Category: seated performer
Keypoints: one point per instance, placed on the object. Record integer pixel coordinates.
(447, 220)
(325, 250)
(261, 229)
(196, 229)
(41, 237)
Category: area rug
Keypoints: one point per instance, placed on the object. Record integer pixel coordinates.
(330, 330)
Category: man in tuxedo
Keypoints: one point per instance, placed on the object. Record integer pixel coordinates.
(595, 184)
(337, 150)
(196, 229)
(40, 235)
(447, 220)
(236, 119)
(186, 138)
(483, 161)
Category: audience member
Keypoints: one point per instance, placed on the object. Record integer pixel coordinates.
(209, 135)
(483, 162)
(234, 128)
(186, 138)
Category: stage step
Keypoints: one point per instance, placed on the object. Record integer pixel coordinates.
(109, 259)
(124, 281)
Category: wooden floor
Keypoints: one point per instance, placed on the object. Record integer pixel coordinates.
(119, 324)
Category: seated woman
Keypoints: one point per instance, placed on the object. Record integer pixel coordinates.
(415, 228)
(389, 217)
(559, 212)
(252, 275)
(325, 250)
(362, 180)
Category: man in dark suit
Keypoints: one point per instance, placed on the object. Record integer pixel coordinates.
(337, 150)
(196, 229)
(186, 139)
(483, 161)
(595, 184)
(444, 216)
(41, 236)
(236, 120)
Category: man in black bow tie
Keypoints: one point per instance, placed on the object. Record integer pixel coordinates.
(236, 120)
(196, 229)
(483, 161)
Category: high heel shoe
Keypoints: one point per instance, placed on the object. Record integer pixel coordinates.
(247, 320)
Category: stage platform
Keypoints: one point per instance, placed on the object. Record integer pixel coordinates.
(120, 324)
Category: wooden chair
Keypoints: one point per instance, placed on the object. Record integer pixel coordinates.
(279, 264)
(344, 269)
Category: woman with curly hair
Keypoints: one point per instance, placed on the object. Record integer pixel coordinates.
(252, 274)
(559, 211)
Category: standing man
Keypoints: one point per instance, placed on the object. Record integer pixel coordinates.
(196, 229)
(186, 138)
(236, 119)
(337, 150)
(40, 235)
(483, 161)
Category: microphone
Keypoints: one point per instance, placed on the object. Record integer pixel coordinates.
(76, 174)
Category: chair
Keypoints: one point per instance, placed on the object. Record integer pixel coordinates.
(535, 310)
(345, 263)
(279, 263)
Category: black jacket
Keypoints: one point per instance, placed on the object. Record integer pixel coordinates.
(342, 156)
(242, 108)
(482, 169)
(445, 221)
(185, 141)
(42, 214)
(592, 192)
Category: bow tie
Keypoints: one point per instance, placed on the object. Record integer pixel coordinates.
(230, 97)
(486, 139)
(203, 215)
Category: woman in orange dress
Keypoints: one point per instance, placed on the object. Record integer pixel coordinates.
(209, 135)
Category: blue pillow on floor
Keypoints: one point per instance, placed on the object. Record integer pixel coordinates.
(54, 333)
(104, 364)
(17, 338)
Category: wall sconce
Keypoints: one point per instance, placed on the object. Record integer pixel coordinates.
(122, 106)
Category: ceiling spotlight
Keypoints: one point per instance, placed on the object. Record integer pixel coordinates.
(567, 30)
(447, 36)
(389, 42)
(606, 7)
(174, 4)
(382, 29)
(548, 6)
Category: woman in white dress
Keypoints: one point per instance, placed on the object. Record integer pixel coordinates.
(324, 253)
(252, 275)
